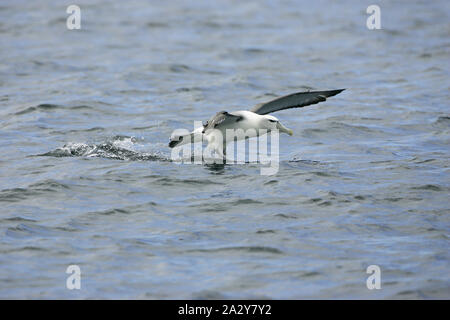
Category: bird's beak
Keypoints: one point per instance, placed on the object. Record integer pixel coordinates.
(173, 143)
(284, 129)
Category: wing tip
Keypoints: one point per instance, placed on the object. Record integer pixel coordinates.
(336, 91)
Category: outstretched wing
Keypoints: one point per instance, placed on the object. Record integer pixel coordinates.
(294, 100)
(221, 119)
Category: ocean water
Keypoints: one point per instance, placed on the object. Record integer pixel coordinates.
(85, 171)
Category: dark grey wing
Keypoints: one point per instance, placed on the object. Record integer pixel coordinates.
(219, 119)
(294, 100)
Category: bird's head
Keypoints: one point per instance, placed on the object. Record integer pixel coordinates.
(272, 123)
(178, 138)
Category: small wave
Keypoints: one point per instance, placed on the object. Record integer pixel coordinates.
(49, 107)
(431, 187)
(16, 194)
(25, 230)
(41, 107)
(33, 190)
(189, 89)
(48, 185)
(285, 216)
(246, 249)
(178, 68)
(443, 121)
(171, 181)
(156, 25)
(297, 159)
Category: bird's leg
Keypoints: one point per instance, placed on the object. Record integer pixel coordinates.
(224, 152)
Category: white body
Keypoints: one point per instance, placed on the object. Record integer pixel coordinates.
(252, 124)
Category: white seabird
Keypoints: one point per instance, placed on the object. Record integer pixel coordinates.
(214, 130)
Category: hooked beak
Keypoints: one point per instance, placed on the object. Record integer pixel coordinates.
(284, 129)
(173, 143)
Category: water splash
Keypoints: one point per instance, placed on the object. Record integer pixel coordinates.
(118, 147)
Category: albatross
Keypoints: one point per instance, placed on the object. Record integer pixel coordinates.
(257, 118)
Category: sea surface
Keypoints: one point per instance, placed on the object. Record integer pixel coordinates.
(86, 176)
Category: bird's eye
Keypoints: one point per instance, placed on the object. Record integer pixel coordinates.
(272, 120)
(176, 138)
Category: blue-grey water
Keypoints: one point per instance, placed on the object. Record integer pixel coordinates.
(85, 118)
